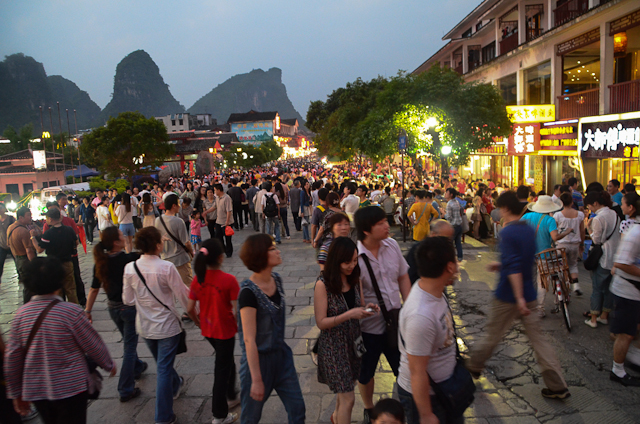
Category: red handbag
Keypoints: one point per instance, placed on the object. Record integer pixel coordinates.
(228, 231)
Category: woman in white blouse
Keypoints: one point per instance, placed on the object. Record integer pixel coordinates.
(151, 284)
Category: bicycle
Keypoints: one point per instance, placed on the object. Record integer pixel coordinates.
(553, 268)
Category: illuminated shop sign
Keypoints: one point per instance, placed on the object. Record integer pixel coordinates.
(525, 139)
(532, 113)
(609, 139)
(562, 135)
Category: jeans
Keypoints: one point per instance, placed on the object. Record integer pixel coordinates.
(125, 319)
(254, 218)
(285, 224)
(237, 215)
(21, 262)
(225, 239)
(168, 381)
(411, 410)
(245, 211)
(458, 240)
(305, 232)
(601, 299)
(279, 374)
(224, 382)
(71, 410)
(271, 222)
(88, 230)
(3, 256)
(296, 220)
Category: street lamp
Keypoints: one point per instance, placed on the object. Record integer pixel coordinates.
(432, 122)
(446, 150)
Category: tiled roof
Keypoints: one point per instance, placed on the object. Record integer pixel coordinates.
(252, 116)
(291, 122)
(28, 169)
(205, 142)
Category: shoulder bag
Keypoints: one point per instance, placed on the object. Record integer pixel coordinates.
(596, 252)
(391, 317)
(181, 244)
(456, 393)
(182, 344)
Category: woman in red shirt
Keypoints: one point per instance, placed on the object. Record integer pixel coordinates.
(217, 293)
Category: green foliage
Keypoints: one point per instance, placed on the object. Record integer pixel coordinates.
(118, 146)
(367, 117)
(19, 140)
(257, 90)
(98, 183)
(255, 156)
(271, 151)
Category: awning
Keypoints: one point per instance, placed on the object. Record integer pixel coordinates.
(81, 172)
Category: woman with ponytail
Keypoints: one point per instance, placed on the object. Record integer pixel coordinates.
(110, 260)
(217, 293)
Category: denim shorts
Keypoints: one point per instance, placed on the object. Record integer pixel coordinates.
(128, 229)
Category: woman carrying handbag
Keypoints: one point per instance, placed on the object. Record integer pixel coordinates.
(151, 283)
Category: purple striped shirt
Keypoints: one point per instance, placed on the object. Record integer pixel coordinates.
(55, 366)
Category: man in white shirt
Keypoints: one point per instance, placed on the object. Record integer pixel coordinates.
(427, 338)
(625, 289)
(258, 205)
(178, 254)
(351, 202)
(390, 270)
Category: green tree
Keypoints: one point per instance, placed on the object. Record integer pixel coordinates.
(367, 117)
(19, 140)
(271, 151)
(127, 144)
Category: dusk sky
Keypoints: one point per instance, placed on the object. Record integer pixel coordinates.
(319, 45)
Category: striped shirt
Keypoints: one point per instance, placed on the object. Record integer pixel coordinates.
(453, 212)
(55, 366)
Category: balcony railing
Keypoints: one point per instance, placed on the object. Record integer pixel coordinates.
(509, 43)
(625, 96)
(570, 10)
(577, 105)
(473, 64)
(533, 33)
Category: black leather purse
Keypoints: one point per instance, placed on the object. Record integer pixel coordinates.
(596, 252)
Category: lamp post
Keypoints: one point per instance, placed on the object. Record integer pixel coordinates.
(211, 150)
(446, 151)
(402, 146)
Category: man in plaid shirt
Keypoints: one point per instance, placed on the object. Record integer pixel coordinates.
(454, 216)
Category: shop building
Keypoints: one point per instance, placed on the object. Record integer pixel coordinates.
(27, 170)
(580, 56)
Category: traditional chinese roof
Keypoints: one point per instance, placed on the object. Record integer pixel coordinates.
(293, 122)
(181, 135)
(205, 141)
(252, 116)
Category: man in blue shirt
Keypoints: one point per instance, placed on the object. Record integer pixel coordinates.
(546, 233)
(614, 190)
(515, 295)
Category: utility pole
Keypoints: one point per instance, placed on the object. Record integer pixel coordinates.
(53, 144)
(64, 164)
(75, 120)
(44, 147)
(73, 175)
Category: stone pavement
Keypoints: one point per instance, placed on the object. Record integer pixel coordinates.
(509, 391)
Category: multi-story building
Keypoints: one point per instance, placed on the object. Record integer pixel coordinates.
(578, 60)
(177, 122)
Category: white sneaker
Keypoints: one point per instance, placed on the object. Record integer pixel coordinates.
(591, 323)
(177, 395)
(602, 321)
(231, 417)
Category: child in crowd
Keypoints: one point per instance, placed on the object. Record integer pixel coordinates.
(196, 232)
(387, 411)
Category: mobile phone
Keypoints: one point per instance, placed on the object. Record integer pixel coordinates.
(369, 310)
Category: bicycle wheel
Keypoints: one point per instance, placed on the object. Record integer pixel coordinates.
(565, 314)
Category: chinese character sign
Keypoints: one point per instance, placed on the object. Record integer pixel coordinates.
(532, 113)
(612, 139)
(525, 139)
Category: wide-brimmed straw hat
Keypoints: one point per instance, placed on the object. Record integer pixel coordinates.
(545, 204)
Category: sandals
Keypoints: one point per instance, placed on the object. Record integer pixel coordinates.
(587, 314)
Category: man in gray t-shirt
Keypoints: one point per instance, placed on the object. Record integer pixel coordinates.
(173, 251)
(427, 339)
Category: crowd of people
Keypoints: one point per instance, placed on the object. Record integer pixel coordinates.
(151, 261)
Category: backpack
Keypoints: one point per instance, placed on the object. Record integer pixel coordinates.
(270, 208)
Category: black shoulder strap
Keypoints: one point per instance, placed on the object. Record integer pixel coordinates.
(12, 230)
(610, 235)
(135, 265)
(376, 288)
(181, 244)
(38, 323)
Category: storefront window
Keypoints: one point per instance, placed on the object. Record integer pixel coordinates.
(538, 84)
(508, 89)
(627, 55)
(581, 69)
